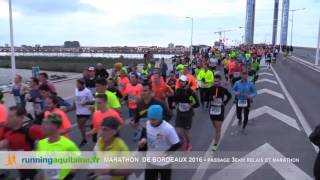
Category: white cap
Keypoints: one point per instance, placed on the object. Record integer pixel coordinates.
(183, 78)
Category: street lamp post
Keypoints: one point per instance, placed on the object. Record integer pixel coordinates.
(242, 37)
(13, 60)
(318, 46)
(293, 10)
(191, 36)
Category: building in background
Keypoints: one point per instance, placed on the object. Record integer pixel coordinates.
(171, 46)
(249, 24)
(284, 23)
(71, 44)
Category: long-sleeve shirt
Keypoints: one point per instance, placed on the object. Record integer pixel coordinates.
(245, 88)
(219, 92)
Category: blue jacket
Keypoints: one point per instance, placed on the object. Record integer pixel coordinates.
(245, 89)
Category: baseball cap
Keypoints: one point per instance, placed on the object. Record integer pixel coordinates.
(183, 78)
(91, 68)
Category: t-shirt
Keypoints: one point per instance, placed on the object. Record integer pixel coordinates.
(17, 139)
(113, 101)
(82, 97)
(160, 139)
(3, 114)
(160, 91)
(122, 83)
(65, 120)
(98, 117)
(37, 103)
(134, 94)
(63, 144)
(117, 148)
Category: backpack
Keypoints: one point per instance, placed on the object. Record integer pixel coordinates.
(315, 136)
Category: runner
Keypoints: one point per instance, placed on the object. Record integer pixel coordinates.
(161, 138)
(192, 82)
(133, 93)
(111, 144)
(101, 72)
(245, 91)
(112, 87)
(268, 60)
(101, 113)
(171, 81)
(205, 79)
(139, 121)
(112, 100)
(16, 136)
(185, 100)
(122, 81)
(19, 91)
(163, 68)
(52, 107)
(35, 97)
(90, 79)
(83, 98)
(160, 89)
(43, 79)
(55, 142)
(3, 111)
(216, 97)
(315, 139)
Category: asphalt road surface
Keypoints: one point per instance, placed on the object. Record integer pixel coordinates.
(282, 115)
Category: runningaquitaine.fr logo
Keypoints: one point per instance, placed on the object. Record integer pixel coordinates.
(11, 160)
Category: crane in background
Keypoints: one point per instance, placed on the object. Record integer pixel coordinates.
(224, 34)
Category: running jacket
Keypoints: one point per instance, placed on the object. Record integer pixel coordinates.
(245, 88)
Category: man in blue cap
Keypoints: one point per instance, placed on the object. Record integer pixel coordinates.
(161, 138)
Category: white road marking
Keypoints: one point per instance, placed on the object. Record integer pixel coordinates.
(265, 73)
(274, 113)
(204, 165)
(296, 109)
(241, 170)
(274, 93)
(267, 80)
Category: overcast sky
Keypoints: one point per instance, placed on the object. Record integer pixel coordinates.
(147, 22)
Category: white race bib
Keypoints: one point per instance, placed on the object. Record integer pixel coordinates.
(236, 74)
(132, 98)
(184, 107)
(216, 102)
(215, 110)
(242, 103)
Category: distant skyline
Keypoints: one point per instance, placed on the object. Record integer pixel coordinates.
(148, 22)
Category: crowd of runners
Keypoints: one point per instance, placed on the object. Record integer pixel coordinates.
(160, 99)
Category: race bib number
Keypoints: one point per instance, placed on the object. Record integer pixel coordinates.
(216, 102)
(242, 103)
(132, 99)
(184, 107)
(215, 110)
(236, 74)
(17, 99)
(121, 85)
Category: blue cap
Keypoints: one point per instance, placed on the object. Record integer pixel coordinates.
(155, 112)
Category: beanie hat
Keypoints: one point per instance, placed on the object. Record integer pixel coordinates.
(155, 112)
